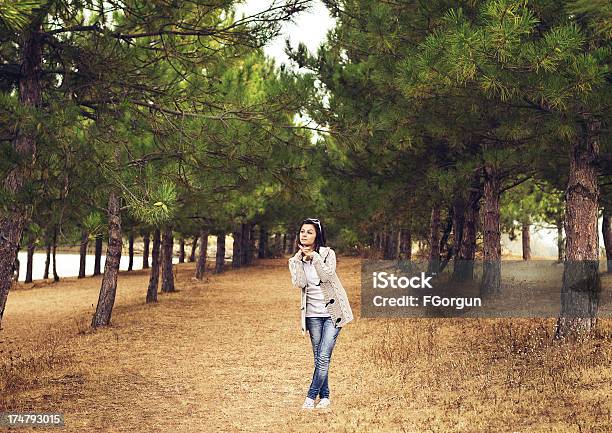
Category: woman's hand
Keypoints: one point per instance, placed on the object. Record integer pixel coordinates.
(306, 251)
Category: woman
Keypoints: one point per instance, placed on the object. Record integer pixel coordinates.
(324, 307)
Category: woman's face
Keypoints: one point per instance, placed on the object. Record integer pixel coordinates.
(308, 235)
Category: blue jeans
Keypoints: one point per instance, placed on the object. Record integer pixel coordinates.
(323, 336)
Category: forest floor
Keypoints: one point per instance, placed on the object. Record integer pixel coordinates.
(227, 355)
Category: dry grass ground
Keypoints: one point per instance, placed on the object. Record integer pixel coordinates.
(227, 355)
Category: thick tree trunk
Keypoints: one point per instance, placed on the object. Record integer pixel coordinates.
(263, 242)
(146, 240)
(491, 275)
(526, 240)
(434, 240)
(405, 242)
(201, 266)
(83, 252)
(168, 274)
(581, 287)
(220, 258)
(155, 264)
(53, 253)
(182, 250)
(236, 250)
(464, 261)
(47, 261)
(194, 245)
(131, 251)
(30, 263)
(98, 255)
(13, 220)
(106, 300)
(606, 229)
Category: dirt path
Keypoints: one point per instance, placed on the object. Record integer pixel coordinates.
(227, 355)
(222, 355)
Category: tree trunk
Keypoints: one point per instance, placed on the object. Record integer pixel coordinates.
(182, 250)
(606, 229)
(581, 287)
(98, 255)
(194, 245)
(131, 251)
(236, 254)
(154, 276)
(106, 300)
(526, 240)
(263, 242)
(246, 244)
(434, 240)
(29, 265)
(168, 274)
(146, 240)
(47, 260)
(284, 250)
(464, 261)
(560, 241)
(252, 244)
(201, 266)
(278, 244)
(220, 259)
(405, 242)
(24, 146)
(458, 223)
(491, 275)
(291, 248)
(54, 250)
(83, 252)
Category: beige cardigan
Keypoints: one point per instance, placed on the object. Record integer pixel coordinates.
(336, 301)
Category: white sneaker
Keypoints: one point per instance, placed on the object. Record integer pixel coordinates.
(323, 403)
(308, 403)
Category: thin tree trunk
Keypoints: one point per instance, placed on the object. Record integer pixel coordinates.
(201, 266)
(182, 250)
(24, 146)
(526, 240)
(606, 229)
(284, 250)
(55, 276)
(131, 250)
(168, 274)
(83, 252)
(98, 255)
(581, 287)
(155, 262)
(263, 242)
(106, 300)
(405, 244)
(491, 276)
(47, 260)
(434, 240)
(464, 261)
(194, 245)
(29, 265)
(146, 240)
(246, 243)
(236, 254)
(220, 259)
(278, 244)
(560, 241)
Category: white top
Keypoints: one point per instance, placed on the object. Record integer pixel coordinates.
(315, 301)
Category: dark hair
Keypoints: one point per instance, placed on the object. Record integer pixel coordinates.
(320, 238)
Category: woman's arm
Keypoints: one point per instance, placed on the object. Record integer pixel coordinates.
(325, 270)
(298, 277)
